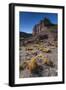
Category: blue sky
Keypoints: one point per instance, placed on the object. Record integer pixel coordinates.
(27, 20)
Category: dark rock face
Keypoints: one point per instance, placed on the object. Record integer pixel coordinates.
(41, 37)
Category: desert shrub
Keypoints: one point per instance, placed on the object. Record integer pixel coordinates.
(46, 50)
(23, 66)
(32, 65)
(48, 62)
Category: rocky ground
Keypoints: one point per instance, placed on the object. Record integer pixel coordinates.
(37, 50)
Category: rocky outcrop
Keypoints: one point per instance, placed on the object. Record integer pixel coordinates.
(45, 30)
(39, 28)
(43, 25)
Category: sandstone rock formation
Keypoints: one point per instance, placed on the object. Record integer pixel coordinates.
(45, 29)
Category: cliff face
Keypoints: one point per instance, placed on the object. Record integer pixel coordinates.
(39, 28)
(43, 25)
(45, 29)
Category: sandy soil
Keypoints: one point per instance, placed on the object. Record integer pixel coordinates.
(45, 70)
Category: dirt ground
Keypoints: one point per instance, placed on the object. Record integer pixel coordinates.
(44, 70)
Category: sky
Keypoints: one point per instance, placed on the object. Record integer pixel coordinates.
(27, 20)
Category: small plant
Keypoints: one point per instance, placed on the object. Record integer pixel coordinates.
(36, 45)
(47, 50)
(40, 55)
(32, 65)
(34, 53)
(48, 62)
(23, 66)
(20, 48)
(29, 48)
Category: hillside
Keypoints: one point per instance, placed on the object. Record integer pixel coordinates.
(25, 35)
